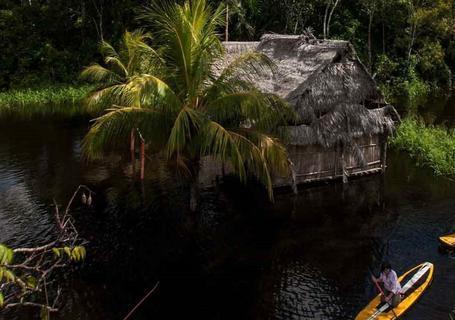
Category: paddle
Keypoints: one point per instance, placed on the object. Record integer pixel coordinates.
(382, 292)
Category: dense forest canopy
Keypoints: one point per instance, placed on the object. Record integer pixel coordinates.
(407, 43)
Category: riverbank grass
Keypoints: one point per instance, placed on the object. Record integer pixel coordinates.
(430, 146)
(60, 101)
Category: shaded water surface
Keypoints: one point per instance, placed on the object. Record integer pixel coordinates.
(240, 257)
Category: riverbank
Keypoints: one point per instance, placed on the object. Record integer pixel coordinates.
(431, 146)
(62, 101)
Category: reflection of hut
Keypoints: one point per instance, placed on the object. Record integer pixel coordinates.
(343, 118)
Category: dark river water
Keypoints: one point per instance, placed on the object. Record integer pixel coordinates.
(240, 257)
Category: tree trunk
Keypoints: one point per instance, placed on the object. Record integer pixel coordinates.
(370, 59)
(226, 36)
(413, 29)
(343, 166)
(411, 44)
(383, 37)
(324, 27)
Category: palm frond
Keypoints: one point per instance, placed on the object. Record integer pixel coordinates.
(262, 111)
(101, 99)
(107, 50)
(98, 73)
(186, 125)
(274, 152)
(117, 66)
(187, 35)
(115, 126)
(153, 92)
(245, 156)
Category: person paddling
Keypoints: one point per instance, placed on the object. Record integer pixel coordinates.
(392, 287)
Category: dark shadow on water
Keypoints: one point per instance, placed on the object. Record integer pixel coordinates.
(241, 256)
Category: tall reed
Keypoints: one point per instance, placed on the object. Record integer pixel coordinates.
(62, 101)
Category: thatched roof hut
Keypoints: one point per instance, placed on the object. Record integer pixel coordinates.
(343, 117)
(331, 90)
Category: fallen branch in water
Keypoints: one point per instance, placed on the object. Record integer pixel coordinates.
(140, 302)
(27, 274)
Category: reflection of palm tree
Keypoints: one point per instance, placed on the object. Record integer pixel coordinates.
(186, 109)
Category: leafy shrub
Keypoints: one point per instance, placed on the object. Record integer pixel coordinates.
(431, 146)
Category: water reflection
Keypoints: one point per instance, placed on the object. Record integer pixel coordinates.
(241, 257)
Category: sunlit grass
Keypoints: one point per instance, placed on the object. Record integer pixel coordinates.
(430, 146)
(60, 101)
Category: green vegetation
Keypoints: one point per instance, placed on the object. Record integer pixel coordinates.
(60, 101)
(431, 146)
(407, 44)
(30, 276)
(171, 93)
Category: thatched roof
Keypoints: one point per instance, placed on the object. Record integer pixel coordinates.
(331, 90)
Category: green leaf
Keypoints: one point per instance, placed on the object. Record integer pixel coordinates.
(9, 276)
(67, 251)
(9, 255)
(6, 254)
(1, 273)
(56, 251)
(2, 300)
(83, 252)
(75, 254)
(31, 281)
(44, 314)
(2, 254)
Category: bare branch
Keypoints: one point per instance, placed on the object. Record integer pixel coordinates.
(29, 276)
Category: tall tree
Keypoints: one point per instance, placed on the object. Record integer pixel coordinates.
(187, 106)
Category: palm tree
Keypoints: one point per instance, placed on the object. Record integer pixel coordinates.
(134, 57)
(187, 106)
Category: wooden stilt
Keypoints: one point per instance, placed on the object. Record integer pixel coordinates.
(132, 149)
(343, 166)
(132, 145)
(383, 141)
(142, 159)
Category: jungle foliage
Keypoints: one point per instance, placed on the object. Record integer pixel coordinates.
(408, 44)
(59, 101)
(431, 146)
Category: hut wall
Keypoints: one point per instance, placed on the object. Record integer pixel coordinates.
(311, 163)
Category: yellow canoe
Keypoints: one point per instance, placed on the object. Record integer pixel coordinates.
(448, 240)
(413, 284)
